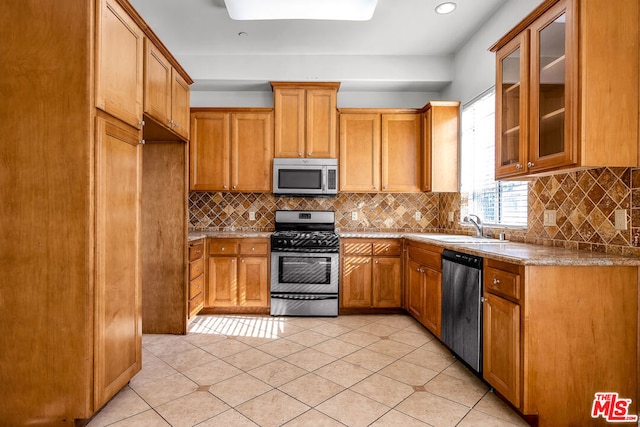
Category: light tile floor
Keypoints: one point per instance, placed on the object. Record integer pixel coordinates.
(377, 370)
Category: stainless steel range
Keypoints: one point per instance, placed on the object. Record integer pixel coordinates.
(305, 264)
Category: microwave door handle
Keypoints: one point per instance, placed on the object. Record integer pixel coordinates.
(324, 179)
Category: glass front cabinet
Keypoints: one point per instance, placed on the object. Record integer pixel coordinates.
(567, 89)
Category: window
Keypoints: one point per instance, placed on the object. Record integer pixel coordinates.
(495, 202)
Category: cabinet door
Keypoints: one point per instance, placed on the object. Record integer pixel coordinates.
(554, 89)
(119, 64)
(321, 122)
(251, 151)
(360, 152)
(253, 282)
(512, 107)
(401, 152)
(157, 84)
(222, 282)
(440, 146)
(356, 282)
(118, 320)
(415, 288)
(180, 96)
(387, 282)
(289, 107)
(209, 152)
(501, 346)
(433, 301)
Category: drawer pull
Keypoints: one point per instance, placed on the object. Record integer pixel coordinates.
(198, 268)
(377, 261)
(199, 251)
(253, 249)
(386, 249)
(496, 281)
(243, 261)
(222, 249)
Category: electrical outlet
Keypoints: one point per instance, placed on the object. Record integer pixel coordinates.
(354, 216)
(418, 216)
(549, 218)
(621, 219)
(252, 216)
(450, 216)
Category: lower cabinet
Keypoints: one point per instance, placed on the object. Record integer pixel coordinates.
(196, 277)
(237, 273)
(371, 273)
(423, 278)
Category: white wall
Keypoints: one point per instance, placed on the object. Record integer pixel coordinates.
(474, 68)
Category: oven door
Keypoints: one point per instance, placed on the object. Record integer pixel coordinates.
(304, 273)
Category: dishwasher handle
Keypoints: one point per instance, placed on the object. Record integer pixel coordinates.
(472, 261)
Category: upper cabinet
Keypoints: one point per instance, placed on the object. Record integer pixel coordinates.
(567, 88)
(380, 151)
(166, 93)
(441, 135)
(305, 119)
(231, 149)
(119, 59)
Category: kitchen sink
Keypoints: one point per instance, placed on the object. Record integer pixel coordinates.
(459, 238)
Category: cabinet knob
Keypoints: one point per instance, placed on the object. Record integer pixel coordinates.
(309, 154)
(483, 299)
(198, 251)
(384, 188)
(197, 268)
(386, 249)
(234, 187)
(377, 262)
(496, 281)
(518, 166)
(299, 154)
(175, 124)
(222, 249)
(170, 123)
(142, 141)
(224, 186)
(375, 188)
(253, 249)
(141, 123)
(243, 261)
(233, 261)
(530, 164)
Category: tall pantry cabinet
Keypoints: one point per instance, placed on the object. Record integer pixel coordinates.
(70, 207)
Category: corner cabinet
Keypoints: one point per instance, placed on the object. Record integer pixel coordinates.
(231, 150)
(440, 142)
(305, 119)
(380, 151)
(371, 273)
(567, 84)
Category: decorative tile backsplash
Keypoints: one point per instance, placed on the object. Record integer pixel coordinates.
(584, 201)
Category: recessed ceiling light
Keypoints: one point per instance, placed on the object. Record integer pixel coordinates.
(340, 10)
(446, 7)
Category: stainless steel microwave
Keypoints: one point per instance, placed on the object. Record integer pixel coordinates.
(305, 177)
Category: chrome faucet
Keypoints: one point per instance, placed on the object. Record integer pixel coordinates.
(477, 223)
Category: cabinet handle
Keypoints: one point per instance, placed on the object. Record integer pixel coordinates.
(518, 166)
(530, 164)
(496, 281)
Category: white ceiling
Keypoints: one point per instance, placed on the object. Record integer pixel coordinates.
(405, 47)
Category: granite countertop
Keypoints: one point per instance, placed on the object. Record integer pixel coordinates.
(195, 235)
(515, 253)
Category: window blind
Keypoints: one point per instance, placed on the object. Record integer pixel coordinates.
(495, 202)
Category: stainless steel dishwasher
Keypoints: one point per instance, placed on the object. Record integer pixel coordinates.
(462, 306)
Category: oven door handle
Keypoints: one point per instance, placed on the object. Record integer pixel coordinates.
(304, 297)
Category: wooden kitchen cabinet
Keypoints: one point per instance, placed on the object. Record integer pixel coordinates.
(560, 102)
(380, 150)
(423, 279)
(73, 203)
(196, 277)
(166, 93)
(556, 335)
(119, 63)
(306, 119)
(371, 273)
(440, 141)
(231, 150)
(237, 275)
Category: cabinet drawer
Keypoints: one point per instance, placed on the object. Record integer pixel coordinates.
(387, 248)
(361, 248)
(254, 248)
(195, 304)
(196, 286)
(433, 260)
(196, 269)
(222, 247)
(502, 282)
(196, 251)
